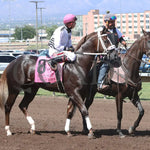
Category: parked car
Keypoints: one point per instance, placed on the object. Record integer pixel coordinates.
(145, 67)
(5, 60)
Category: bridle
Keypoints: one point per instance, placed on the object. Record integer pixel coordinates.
(106, 50)
(102, 43)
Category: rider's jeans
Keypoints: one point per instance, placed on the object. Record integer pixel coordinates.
(102, 72)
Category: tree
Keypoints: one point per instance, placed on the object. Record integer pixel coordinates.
(50, 30)
(27, 32)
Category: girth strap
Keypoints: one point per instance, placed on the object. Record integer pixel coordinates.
(59, 83)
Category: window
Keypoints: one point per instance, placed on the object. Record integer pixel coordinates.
(6, 59)
(141, 15)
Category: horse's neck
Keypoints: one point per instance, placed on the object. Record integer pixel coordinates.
(132, 60)
(86, 60)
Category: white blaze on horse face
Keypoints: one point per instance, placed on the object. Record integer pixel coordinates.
(88, 122)
(31, 122)
(67, 126)
(8, 131)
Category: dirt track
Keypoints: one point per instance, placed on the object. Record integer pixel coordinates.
(49, 115)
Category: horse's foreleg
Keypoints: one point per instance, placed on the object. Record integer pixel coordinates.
(84, 112)
(119, 106)
(88, 102)
(70, 112)
(141, 113)
(28, 97)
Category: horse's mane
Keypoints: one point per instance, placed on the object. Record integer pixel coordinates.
(134, 44)
(83, 40)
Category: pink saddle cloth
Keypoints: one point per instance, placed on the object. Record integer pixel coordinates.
(45, 74)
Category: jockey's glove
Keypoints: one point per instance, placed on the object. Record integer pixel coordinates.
(69, 49)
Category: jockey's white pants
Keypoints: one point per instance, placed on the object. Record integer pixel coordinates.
(70, 55)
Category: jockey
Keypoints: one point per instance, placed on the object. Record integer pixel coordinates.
(115, 36)
(60, 44)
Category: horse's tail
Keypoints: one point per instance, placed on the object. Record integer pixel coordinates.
(3, 92)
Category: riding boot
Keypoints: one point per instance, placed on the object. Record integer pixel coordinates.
(58, 59)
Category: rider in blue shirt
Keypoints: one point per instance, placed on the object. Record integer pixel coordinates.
(115, 36)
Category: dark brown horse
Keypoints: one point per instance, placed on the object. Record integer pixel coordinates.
(19, 75)
(132, 83)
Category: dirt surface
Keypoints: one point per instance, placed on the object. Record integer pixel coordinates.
(49, 114)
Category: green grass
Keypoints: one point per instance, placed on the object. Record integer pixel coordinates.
(144, 93)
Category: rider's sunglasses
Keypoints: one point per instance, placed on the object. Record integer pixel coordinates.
(113, 18)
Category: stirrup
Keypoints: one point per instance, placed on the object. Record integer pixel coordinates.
(104, 86)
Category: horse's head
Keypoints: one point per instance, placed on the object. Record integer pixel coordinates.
(95, 42)
(146, 39)
(104, 44)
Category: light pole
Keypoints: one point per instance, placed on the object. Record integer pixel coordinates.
(41, 25)
(21, 35)
(36, 4)
(9, 22)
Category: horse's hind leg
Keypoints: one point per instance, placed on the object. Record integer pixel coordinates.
(70, 112)
(8, 106)
(29, 95)
(136, 102)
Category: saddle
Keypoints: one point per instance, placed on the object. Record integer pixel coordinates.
(119, 75)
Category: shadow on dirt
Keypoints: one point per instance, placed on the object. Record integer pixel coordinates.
(97, 133)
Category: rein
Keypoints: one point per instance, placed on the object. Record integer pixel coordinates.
(103, 45)
(85, 53)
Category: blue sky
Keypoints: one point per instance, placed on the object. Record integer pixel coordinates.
(55, 8)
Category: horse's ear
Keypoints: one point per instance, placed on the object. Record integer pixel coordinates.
(144, 32)
(103, 29)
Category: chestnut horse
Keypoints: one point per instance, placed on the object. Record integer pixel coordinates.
(20, 74)
(130, 88)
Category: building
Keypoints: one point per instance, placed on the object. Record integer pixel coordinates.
(6, 36)
(130, 24)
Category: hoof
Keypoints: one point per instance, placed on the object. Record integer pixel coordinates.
(32, 131)
(69, 134)
(131, 130)
(9, 134)
(121, 135)
(91, 136)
